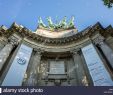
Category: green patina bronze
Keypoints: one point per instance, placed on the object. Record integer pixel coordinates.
(62, 25)
(40, 23)
(71, 23)
(51, 26)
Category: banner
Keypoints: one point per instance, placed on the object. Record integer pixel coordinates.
(15, 75)
(98, 72)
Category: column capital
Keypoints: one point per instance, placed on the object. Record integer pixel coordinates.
(13, 40)
(76, 51)
(38, 51)
(99, 40)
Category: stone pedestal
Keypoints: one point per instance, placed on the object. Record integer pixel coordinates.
(33, 78)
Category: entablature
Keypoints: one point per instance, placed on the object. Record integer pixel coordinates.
(79, 36)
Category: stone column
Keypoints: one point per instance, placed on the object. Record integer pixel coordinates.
(108, 52)
(87, 80)
(33, 78)
(5, 52)
(81, 77)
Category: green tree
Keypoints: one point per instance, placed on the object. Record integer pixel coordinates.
(108, 3)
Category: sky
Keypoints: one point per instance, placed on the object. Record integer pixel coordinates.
(26, 12)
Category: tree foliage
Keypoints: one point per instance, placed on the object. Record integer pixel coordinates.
(108, 3)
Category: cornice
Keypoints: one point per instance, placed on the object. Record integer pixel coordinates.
(109, 30)
(25, 32)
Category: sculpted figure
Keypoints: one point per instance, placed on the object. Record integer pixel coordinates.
(63, 23)
(50, 23)
(57, 26)
(40, 23)
(71, 23)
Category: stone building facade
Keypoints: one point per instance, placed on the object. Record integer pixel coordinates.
(63, 58)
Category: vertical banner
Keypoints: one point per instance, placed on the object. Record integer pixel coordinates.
(15, 75)
(98, 72)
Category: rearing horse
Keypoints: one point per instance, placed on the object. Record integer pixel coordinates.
(50, 23)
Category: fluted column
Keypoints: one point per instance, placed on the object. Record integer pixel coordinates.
(32, 81)
(81, 77)
(5, 52)
(108, 52)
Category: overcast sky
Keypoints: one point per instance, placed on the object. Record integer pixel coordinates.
(26, 12)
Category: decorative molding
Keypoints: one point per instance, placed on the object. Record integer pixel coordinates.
(99, 40)
(38, 51)
(13, 40)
